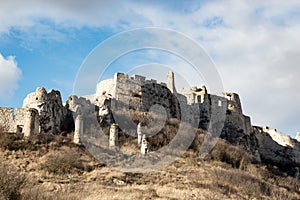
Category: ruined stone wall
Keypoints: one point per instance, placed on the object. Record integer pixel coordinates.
(235, 119)
(21, 115)
(7, 119)
(88, 112)
(248, 125)
(126, 86)
(238, 121)
(234, 102)
(212, 110)
(205, 112)
(15, 123)
(153, 93)
(220, 105)
(80, 105)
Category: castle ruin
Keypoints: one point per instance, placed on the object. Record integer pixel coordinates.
(44, 112)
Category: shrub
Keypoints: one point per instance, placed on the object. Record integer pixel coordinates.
(225, 152)
(10, 141)
(11, 182)
(66, 162)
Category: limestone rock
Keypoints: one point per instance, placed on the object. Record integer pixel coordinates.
(50, 108)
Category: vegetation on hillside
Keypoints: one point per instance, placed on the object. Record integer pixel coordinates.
(52, 167)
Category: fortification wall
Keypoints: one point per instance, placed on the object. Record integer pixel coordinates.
(7, 119)
(126, 86)
(213, 108)
(17, 123)
(153, 93)
(234, 102)
(235, 117)
(22, 114)
(80, 105)
(248, 125)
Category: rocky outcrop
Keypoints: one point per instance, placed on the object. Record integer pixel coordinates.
(265, 149)
(51, 110)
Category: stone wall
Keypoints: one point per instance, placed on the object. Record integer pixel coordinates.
(7, 119)
(153, 93)
(234, 115)
(122, 87)
(80, 105)
(128, 92)
(16, 123)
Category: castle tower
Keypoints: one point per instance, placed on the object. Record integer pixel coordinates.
(171, 82)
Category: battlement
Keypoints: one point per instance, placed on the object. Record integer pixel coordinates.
(122, 86)
(138, 79)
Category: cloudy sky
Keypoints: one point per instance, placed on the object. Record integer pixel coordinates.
(255, 46)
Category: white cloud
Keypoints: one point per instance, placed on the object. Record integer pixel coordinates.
(255, 44)
(9, 76)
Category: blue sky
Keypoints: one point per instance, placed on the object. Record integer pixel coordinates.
(254, 44)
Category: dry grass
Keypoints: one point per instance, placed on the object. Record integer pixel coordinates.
(230, 154)
(64, 163)
(59, 170)
(15, 142)
(63, 192)
(11, 182)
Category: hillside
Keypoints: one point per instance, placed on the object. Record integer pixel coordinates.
(52, 167)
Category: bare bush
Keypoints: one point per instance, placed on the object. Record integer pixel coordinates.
(64, 163)
(10, 141)
(11, 182)
(225, 152)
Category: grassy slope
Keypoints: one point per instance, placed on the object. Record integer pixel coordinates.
(57, 169)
